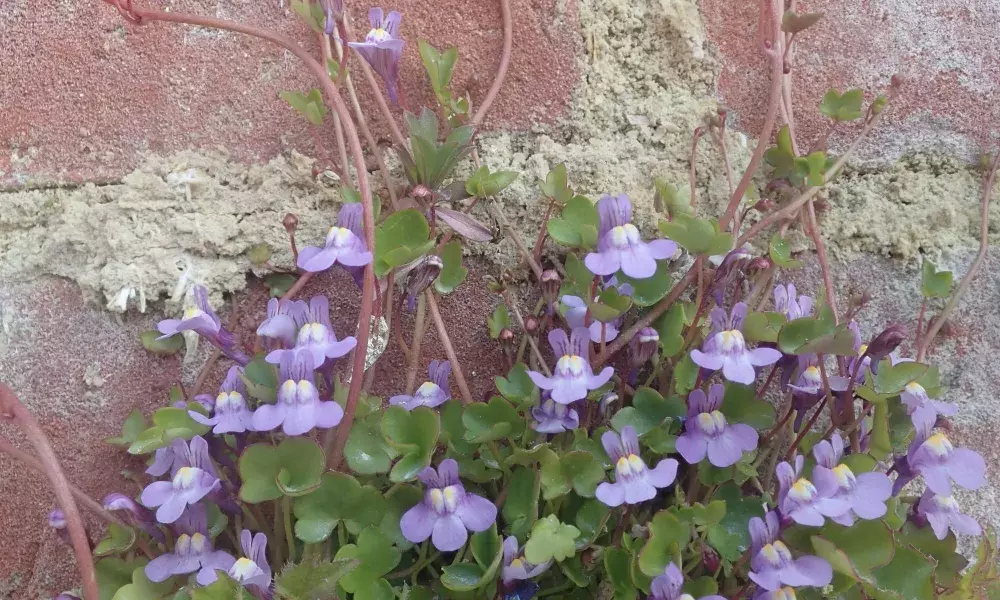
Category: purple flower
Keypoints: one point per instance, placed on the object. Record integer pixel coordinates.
(787, 304)
(668, 586)
(942, 512)
(192, 552)
(57, 521)
(66, 596)
(772, 564)
(619, 245)
(707, 432)
(298, 408)
(576, 314)
(934, 457)
(808, 387)
(634, 481)
(252, 571)
(552, 417)
(447, 510)
(134, 514)
(430, 393)
(188, 486)
(573, 377)
(801, 501)
(342, 246)
(785, 593)
(726, 349)
(515, 567)
(280, 323)
(182, 454)
(201, 319)
(231, 412)
(921, 407)
(315, 336)
(866, 493)
(861, 362)
(643, 346)
(382, 48)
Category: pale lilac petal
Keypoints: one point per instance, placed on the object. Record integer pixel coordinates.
(268, 417)
(939, 522)
(768, 580)
(724, 450)
(611, 494)
(299, 419)
(156, 493)
(712, 362)
(565, 391)
(638, 490)
(692, 447)
(664, 474)
(738, 369)
(612, 445)
(476, 512)
(762, 357)
(808, 570)
(546, 383)
(629, 440)
(870, 496)
(603, 263)
(745, 435)
(448, 472)
(171, 510)
(200, 418)
(964, 524)
(637, 262)
(314, 260)
(601, 378)
(662, 249)
(418, 523)
(967, 468)
(559, 342)
(328, 414)
(165, 566)
(449, 533)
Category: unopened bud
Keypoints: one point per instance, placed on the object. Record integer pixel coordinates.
(422, 276)
(761, 263)
(710, 559)
(549, 283)
(531, 325)
(421, 191)
(643, 346)
(607, 400)
(764, 205)
(506, 339)
(291, 222)
(57, 521)
(886, 342)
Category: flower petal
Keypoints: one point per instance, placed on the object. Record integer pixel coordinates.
(449, 533)
(476, 512)
(418, 523)
(611, 494)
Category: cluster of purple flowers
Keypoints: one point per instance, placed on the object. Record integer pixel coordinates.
(707, 433)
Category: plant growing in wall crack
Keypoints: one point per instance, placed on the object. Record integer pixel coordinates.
(676, 421)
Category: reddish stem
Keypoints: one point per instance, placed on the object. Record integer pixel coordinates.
(15, 412)
(821, 255)
(508, 45)
(698, 132)
(456, 367)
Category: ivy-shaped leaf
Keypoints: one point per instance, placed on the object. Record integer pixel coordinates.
(452, 271)
(293, 468)
(577, 225)
(667, 537)
(493, 420)
(414, 435)
(142, 588)
(667, 198)
(118, 540)
(556, 184)
(842, 107)
(309, 579)
(934, 283)
(339, 497)
(401, 239)
(134, 424)
(649, 291)
(169, 345)
(309, 105)
(697, 236)
(781, 252)
(517, 386)
(550, 540)
(498, 320)
(439, 65)
(483, 184)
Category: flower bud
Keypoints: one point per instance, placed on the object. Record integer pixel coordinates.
(643, 346)
(886, 342)
(549, 283)
(57, 521)
(421, 276)
(134, 514)
(710, 559)
(531, 325)
(607, 400)
(421, 191)
(291, 222)
(761, 263)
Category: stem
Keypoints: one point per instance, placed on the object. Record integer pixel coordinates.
(531, 340)
(508, 45)
(821, 255)
(540, 240)
(767, 382)
(516, 237)
(495, 452)
(777, 75)
(338, 128)
(206, 370)
(13, 411)
(279, 557)
(807, 428)
(935, 326)
(419, 330)
(286, 511)
(456, 367)
(698, 132)
(788, 414)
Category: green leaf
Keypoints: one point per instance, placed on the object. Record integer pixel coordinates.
(934, 283)
(649, 291)
(556, 184)
(610, 305)
(166, 346)
(279, 283)
(793, 22)
(685, 375)
(667, 197)
(114, 573)
(312, 580)
(452, 271)
(667, 537)
(495, 420)
(308, 105)
(339, 496)
(487, 550)
(520, 510)
(740, 405)
(731, 536)
(311, 12)
(577, 225)
(118, 540)
(462, 577)
(261, 379)
(669, 327)
(376, 557)
(134, 424)
(648, 411)
(893, 379)
(169, 424)
(781, 251)
(439, 65)
(763, 327)
(550, 540)
(578, 278)
(517, 386)
(483, 184)
(498, 320)
(366, 451)
(414, 435)
(397, 503)
(910, 576)
(453, 430)
(950, 563)
(697, 236)
(590, 519)
(293, 468)
(816, 336)
(617, 563)
(855, 551)
(400, 239)
(141, 588)
(842, 107)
